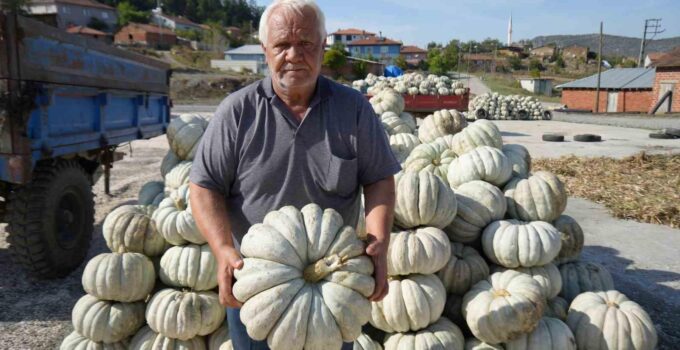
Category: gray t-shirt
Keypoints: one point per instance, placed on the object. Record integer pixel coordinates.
(260, 158)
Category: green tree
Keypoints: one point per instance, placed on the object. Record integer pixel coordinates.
(334, 59)
(13, 5)
(535, 73)
(359, 68)
(129, 13)
(338, 45)
(435, 61)
(535, 64)
(190, 34)
(515, 62)
(400, 62)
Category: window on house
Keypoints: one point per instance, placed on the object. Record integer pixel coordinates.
(369, 50)
(348, 37)
(64, 9)
(85, 12)
(356, 50)
(384, 49)
(338, 37)
(105, 15)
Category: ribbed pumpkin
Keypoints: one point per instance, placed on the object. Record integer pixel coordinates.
(412, 303)
(440, 123)
(550, 333)
(423, 250)
(476, 344)
(446, 141)
(519, 158)
(431, 157)
(387, 100)
(482, 163)
(106, 321)
(364, 342)
(479, 133)
(423, 199)
(75, 341)
(464, 269)
(409, 120)
(184, 134)
(305, 280)
(479, 204)
(402, 145)
(184, 315)
(147, 339)
(220, 340)
(548, 276)
(441, 335)
(579, 277)
(572, 239)
(556, 308)
(151, 193)
(191, 266)
(540, 197)
(503, 306)
(609, 320)
(395, 125)
(177, 176)
(174, 219)
(512, 243)
(129, 228)
(124, 277)
(169, 161)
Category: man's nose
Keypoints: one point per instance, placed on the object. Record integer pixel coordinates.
(294, 53)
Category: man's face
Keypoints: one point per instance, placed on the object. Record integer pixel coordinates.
(294, 49)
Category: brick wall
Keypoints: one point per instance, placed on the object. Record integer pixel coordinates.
(628, 101)
(667, 75)
(138, 36)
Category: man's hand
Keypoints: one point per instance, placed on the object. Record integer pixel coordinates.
(377, 250)
(228, 260)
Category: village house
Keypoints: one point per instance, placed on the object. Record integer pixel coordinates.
(667, 83)
(413, 54)
(67, 13)
(543, 52)
(574, 52)
(480, 61)
(173, 22)
(652, 58)
(345, 36)
(91, 33)
(382, 49)
(137, 34)
(246, 57)
(511, 51)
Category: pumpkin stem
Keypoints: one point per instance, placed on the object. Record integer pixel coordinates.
(501, 293)
(324, 267)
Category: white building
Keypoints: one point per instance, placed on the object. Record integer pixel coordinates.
(67, 13)
(173, 22)
(246, 57)
(348, 35)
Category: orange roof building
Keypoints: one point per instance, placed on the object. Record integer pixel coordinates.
(345, 36)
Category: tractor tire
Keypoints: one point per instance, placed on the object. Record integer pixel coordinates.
(481, 114)
(553, 137)
(672, 131)
(587, 138)
(51, 219)
(522, 114)
(662, 136)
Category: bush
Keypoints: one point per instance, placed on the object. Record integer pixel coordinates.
(334, 59)
(359, 69)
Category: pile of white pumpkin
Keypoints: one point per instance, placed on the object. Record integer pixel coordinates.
(481, 255)
(157, 287)
(506, 107)
(411, 84)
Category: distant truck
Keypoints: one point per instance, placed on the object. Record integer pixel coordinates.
(431, 103)
(66, 102)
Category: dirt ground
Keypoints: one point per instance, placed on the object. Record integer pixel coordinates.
(642, 257)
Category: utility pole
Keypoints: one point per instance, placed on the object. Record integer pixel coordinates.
(599, 72)
(652, 27)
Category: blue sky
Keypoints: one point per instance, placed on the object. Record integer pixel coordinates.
(421, 21)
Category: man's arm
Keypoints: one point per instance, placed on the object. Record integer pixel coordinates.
(379, 200)
(210, 212)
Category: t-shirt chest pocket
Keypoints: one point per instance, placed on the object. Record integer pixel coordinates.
(341, 177)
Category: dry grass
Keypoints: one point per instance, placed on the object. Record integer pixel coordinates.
(643, 187)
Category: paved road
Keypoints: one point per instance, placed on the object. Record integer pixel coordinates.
(641, 121)
(477, 87)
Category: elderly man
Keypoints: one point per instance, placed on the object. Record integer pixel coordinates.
(291, 139)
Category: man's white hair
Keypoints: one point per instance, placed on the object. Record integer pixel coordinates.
(296, 6)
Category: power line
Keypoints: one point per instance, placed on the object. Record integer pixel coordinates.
(652, 28)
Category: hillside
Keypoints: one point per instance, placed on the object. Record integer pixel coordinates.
(612, 44)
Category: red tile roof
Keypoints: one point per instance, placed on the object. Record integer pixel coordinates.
(374, 40)
(352, 31)
(180, 20)
(150, 28)
(670, 59)
(412, 49)
(84, 3)
(85, 30)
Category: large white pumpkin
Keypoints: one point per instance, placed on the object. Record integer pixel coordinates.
(151, 193)
(441, 335)
(479, 133)
(579, 277)
(540, 197)
(364, 342)
(220, 339)
(482, 163)
(550, 333)
(177, 176)
(512, 243)
(184, 134)
(479, 204)
(147, 339)
(548, 276)
(129, 228)
(184, 315)
(609, 320)
(402, 145)
(387, 100)
(124, 277)
(440, 123)
(463, 270)
(75, 341)
(423, 199)
(106, 321)
(305, 280)
(191, 266)
(409, 120)
(431, 157)
(423, 250)
(174, 219)
(413, 302)
(476, 344)
(395, 125)
(572, 239)
(519, 158)
(503, 306)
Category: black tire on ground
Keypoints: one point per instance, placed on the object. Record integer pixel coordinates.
(481, 113)
(587, 138)
(553, 137)
(522, 114)
(663, 136)
(671, 131)
(51, 219)
(547, 115)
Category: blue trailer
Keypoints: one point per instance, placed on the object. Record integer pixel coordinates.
(66, 102)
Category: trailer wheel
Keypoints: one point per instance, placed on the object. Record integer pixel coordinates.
(51, 219)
